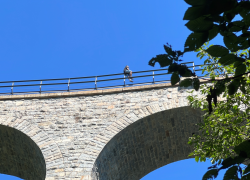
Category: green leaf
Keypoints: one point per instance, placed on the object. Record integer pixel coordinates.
(227, 163)
(197, 158)
(173, 67)
(184, 71)
(169, 50)
(245, 35)
(227, 59)
(220, 87)
(194, 12)
(243, 88)
(246, 177)
(228, 16)
(162, 59)
(237, 63)
(231, 42)
(217, 18)
(217, 51)
(196, 84)
(244, 146)
(212, 33)
(231, 173)
(179, 53)
(227, 79)
(219, 6)
(239, 159)
(243, 45)
(223, 29)
(240, 59)
(247, 170)
(245, 15)
(186, 82)
(233, 87)
(188, 73)
(236, 26)
(175, 78)
(211, 174)
(241, 69)
(195, 2)
(199, 25)
(232, 161)
(232, 37)
(195, 41)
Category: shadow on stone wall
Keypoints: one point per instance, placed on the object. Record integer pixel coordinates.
(20, 156)
(147, 144)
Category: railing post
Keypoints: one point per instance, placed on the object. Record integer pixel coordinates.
(12, 88)
(41, 87)
(96, 82)
(68, 84)
(193, 68)
(124, 80)
(153, 77)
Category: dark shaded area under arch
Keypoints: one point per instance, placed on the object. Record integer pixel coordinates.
(147, 144)
(20, 156)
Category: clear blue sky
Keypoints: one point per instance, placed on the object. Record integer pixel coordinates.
(62, 38)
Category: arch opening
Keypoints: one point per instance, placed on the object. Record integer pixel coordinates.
(183, 169)
(20, 156)
(9, 177)
(148, 144)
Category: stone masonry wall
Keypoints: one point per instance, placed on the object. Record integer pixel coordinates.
(71, 129)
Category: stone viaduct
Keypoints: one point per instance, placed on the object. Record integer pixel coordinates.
(113, 134)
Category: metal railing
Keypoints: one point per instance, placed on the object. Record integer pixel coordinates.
(88, 83)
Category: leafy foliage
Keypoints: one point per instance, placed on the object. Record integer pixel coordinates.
(211, 174)
(205, 15)
(235, 172)
(227, 126)
(224, 125)
(217, 51)
(207, 19)
(172, 59)
(166, 59)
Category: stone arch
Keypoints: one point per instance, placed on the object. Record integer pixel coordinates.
(87, 158)
(20, 156)
(50, 151)
(147, 144)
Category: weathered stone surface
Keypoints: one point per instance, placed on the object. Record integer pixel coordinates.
(72, 129)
